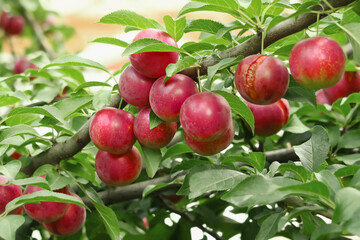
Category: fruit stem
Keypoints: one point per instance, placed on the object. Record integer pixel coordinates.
(199, 82)
(12, 49)
(262, 40)
(317, 23)
(120, 104)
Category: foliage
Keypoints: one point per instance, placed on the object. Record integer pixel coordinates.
(312, 194)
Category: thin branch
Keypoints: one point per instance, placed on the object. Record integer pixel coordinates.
(195, 222)
(136, 190)
(253, 45)
(38, 32)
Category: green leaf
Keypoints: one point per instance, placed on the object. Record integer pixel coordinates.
(350, 139)
(149, 45)
(315, 189)
(17, 130)
(151, 188)
(74, 60)
(71, 105)
(326, 231)
(107, 215)
(347, 209)
(314, 152)
(269, 227)
(224, 63)
(300, 172)
(154, 119)
(298, 93)
(202, 179)
(49, 111)
(354, 37)
(296, 212)
(36, 181)
(232, 4)
(238, 107)
(180, 65)
(152, 159)
(110, 220)
(294, 125)
(255, 7)
(255, 159)
(350, 159)
(74, 74)
(91, 84)
(175, 28)
(128, 18)
(42, 195)
(192, 47)
(6, 100)
(111, 41)
(176, 150)
(208, 26)
(347, 171)
(198, 6)
(9, 224)
(258, 190)
(11, 169)
(325, 176)
(101, 98)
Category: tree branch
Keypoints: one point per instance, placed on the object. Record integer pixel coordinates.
(253, 45)
(195, 222)
(38, 32)
(136, 190)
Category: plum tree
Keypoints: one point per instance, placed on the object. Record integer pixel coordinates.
(317, 62)
(296, 181)
(261, 79)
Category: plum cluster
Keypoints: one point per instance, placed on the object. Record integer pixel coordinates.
(62, 219)
(262, 81)
(315, 63)
(12, 25)
(206, 117)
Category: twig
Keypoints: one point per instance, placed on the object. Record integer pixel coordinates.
(253, 44)
(38, 32)
(185, 216)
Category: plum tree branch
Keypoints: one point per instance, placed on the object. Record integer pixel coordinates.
(194, 222)
(74, 144)
(253, 44)
(136, 190)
